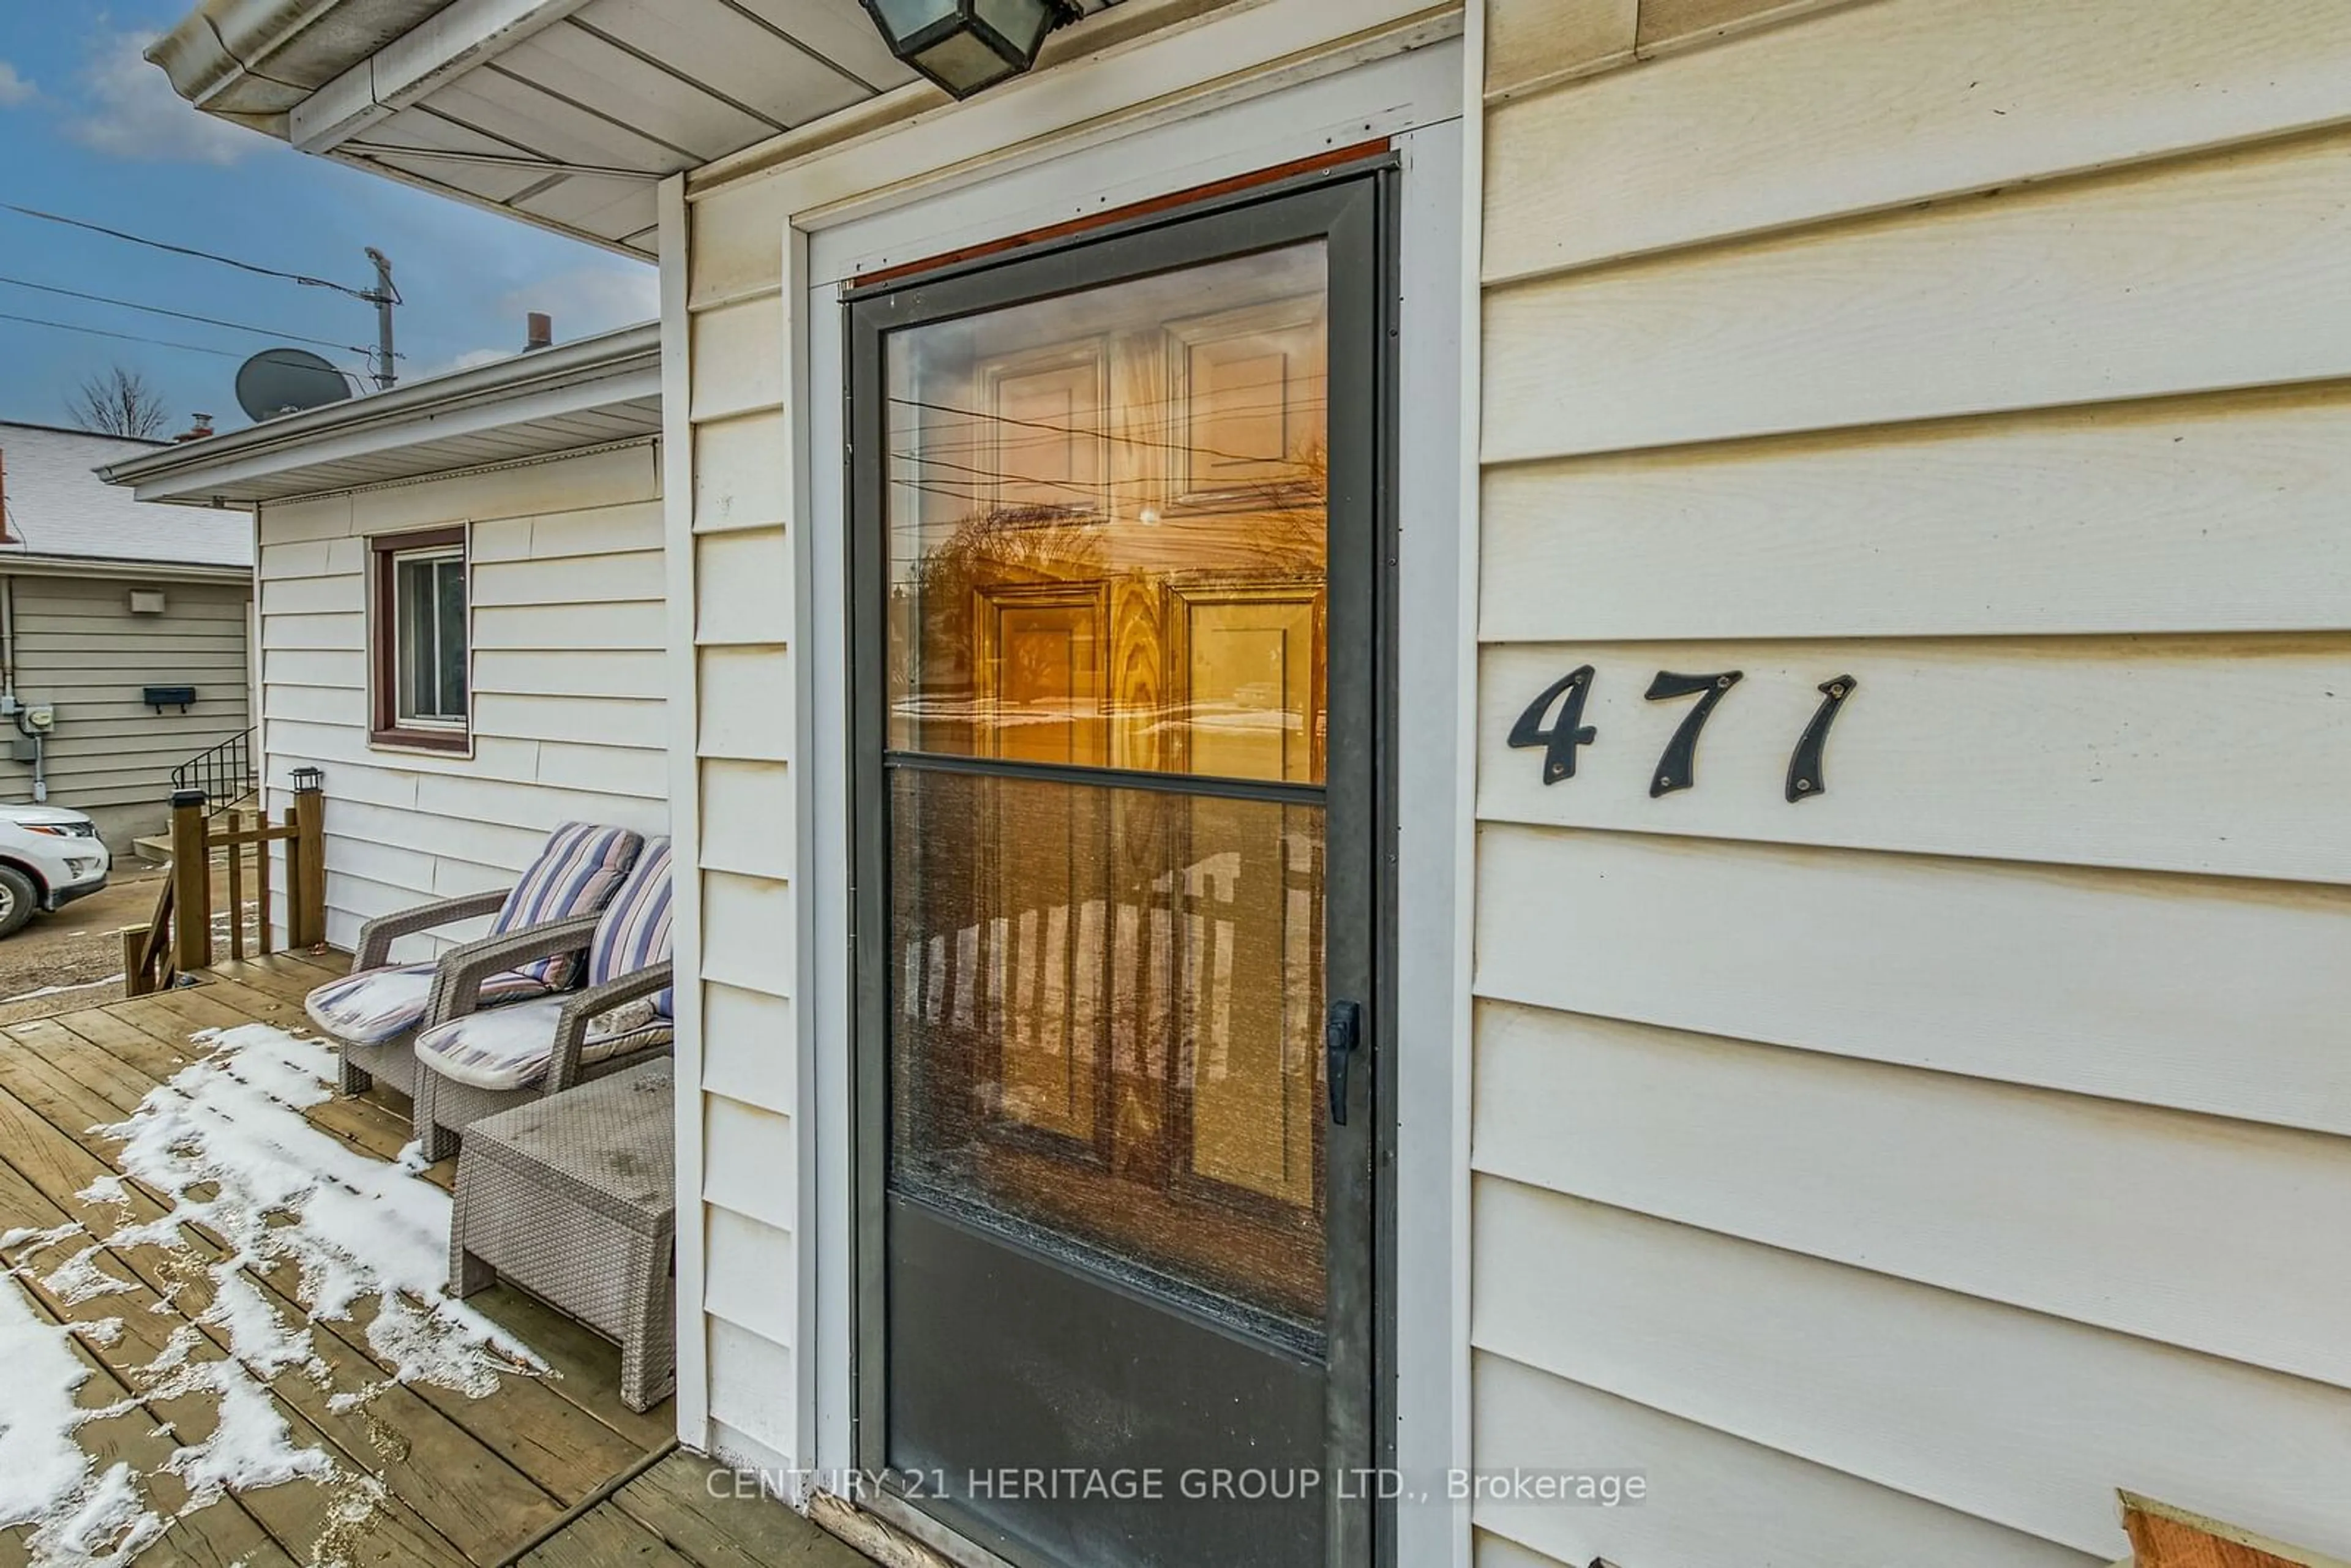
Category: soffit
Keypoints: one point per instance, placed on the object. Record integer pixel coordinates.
(571, 115)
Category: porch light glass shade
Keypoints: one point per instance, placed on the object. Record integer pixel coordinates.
(965, 46)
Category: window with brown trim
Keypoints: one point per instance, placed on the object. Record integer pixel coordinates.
(419, 640)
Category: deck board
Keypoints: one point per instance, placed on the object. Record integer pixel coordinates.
(674, 1500)
(604, 1537)
(459, 1484)
(296, 1515)
(223, 1533)
(466, 1481)
(562, 1452)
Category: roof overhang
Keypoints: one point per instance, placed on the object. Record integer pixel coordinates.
(566, 113)
(594, 393)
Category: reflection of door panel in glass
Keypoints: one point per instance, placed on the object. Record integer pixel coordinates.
(1041, 659)
(1045, 417)
(1120, 436)
(1245, 685)
(1249, 388)
(1040, 662)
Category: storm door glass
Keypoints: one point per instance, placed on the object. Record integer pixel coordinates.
(1107, 728)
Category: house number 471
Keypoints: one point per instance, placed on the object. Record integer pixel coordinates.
(1562, 701)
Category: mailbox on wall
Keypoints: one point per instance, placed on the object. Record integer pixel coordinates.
(161, 697)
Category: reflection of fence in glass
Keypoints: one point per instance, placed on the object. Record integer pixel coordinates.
(1107, 1005)
(1057, 985)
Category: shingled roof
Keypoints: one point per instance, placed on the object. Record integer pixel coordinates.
(58, 506)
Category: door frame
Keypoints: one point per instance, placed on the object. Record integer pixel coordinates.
(1354, 206)
(1410, 85)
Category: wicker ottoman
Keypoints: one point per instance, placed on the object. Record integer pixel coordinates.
(574, 1198)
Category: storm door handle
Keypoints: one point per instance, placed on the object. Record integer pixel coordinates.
(1342, 1025)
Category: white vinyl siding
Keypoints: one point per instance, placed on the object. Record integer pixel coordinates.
(79, 647)
(745, 684)
(568, 713)
(1895, 1176)
(741, 1340)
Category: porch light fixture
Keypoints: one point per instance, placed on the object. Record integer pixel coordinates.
(969, 46)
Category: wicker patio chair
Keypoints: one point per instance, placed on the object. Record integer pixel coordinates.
(537, 931)
(472, 1063)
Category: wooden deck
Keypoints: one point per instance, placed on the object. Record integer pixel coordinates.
(524, 1473)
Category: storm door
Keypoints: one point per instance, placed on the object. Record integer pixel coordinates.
(1114, 551)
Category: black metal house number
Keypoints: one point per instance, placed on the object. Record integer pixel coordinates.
(1677, 769)
(1804, 779)
(1560, 741)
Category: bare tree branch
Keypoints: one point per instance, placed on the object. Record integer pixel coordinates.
(119, 402)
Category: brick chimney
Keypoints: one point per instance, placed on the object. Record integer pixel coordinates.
(197, 431)
(538, 331)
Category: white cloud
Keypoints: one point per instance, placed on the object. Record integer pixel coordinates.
(15, 90)
(129, 110)
(589, 300)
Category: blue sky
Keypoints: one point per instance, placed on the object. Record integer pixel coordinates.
(89, 131)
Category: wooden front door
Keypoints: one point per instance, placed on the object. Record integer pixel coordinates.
(1116, 560)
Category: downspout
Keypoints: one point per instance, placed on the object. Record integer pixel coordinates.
(8, 644)
(7, 607)
(9, 707)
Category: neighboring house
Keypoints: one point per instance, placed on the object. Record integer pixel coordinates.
(100, 600)
(1228, 527)
(461, 620)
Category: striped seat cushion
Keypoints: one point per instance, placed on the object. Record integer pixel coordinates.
(379, 1005)
(509, 1046)
(576, 871)
(635, 930)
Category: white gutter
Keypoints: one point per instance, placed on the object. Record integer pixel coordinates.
(447, 44)
(105, 566)
(252, 61)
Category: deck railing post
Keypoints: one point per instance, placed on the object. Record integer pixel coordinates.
(236, 883)
(192, 883)
(306, 916)
(134, 961)
(267, 943)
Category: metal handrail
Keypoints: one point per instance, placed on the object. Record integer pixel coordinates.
(224, 773)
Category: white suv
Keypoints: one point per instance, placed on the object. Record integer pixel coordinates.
(48, 857)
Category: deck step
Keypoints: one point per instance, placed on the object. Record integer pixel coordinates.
(157, 847)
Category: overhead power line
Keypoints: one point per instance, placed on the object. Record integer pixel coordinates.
(302, 278)
(126, 336)
(185, 315)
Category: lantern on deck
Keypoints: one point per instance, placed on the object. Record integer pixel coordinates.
(968, 46)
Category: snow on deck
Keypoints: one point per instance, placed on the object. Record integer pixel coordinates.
(225, 1312)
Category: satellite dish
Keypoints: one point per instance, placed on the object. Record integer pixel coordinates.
(286, 380)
